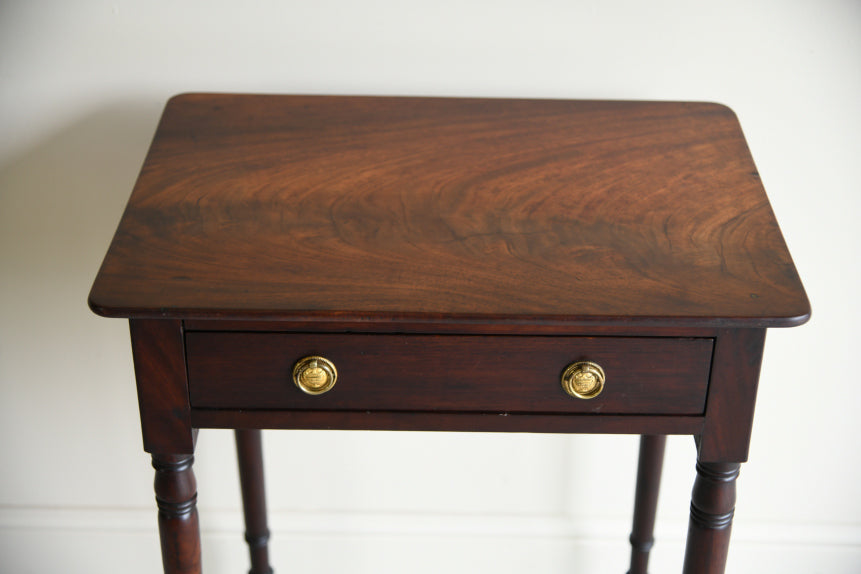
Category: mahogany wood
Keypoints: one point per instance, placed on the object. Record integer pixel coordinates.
(455, 326)
(453, 255)
(447, 209)
(249, 453)
(176, 496)
(646, 500)
(732, 396)
(159, 358)
(439, 373)
(446, 421)
(712, 508)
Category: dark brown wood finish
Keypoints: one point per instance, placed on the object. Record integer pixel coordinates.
(439, 373)
(646, 500)
(457, 326)
(159, 358)
(451, 256)
(249, 454)
(445, 421)
(388, 209)
(712, 508)
(176, 496)
(732, 396)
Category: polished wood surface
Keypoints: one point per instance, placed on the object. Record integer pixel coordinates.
(446, 210)
(451, 256)
(712, 509)
(732, 395)
(158, 350)
(176, 497)
(645, 375)
(446, 421)
(649, 471)
(249, 455)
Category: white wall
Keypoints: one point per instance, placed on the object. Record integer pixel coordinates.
(81, 88)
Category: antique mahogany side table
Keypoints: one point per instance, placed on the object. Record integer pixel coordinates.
(301, 262)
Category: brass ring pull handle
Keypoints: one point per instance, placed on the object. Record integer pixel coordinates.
(583, 380)
(315, 375)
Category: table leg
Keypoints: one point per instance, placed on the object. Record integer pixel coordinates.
(712, 507)
(249, 450)
(176, 496)
(646, 500)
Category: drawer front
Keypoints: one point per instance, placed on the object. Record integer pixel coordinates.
(502, 374)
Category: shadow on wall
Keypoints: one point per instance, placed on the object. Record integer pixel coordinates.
(62, 199)
(60, 202)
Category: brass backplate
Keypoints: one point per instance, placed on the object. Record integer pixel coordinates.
(583, 380)
(315, 375)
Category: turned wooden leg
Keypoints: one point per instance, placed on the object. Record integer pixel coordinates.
(176, 496)
(646, 500)
(249, 450)
(712, 507)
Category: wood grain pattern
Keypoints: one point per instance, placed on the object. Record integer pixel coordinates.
(388, 209)
(451, 256)
(158, 349)
(732, 396)
(447, 372)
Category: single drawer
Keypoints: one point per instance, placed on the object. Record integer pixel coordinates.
(644, 375)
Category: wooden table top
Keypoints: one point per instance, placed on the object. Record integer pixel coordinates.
(444, 210)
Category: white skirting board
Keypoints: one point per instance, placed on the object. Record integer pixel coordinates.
(44, 540)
